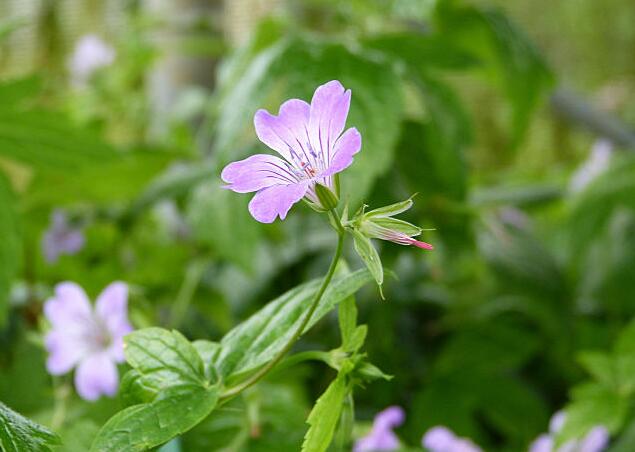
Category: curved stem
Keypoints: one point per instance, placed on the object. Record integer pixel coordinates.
(305, 321)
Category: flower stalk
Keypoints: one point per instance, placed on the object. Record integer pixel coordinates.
(255, 378)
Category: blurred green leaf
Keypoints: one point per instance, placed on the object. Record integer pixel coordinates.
(422, 52)
(507, 54)
(325, 415)
(119, 178)
(19, 434)
(258, 339)
(593, 405)
(220, 218)
(10, 244)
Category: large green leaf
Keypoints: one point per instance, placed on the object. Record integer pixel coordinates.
(119, 178)
(19, 434)
(325, 415)
(169, 375)
(142, 427)
(10, 254)
(164, 358)
(258, 339)
(425, 52)
(42, 138)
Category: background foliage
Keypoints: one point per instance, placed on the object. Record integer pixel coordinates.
(525, 306)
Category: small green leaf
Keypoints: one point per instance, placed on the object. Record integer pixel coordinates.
(347, 317)
(142, 427)
(371, 372)
(327, 198)
(369, 255)
(357, 338)
(164, 358)
(258, 339)
(325, 415)
(19, 434)
(391, 210)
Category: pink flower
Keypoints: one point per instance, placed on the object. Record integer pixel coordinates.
(381, 437)
(596, 439)
(313, 148)
(61, 238)
(442, 439)
(90, 340)
(90, 54)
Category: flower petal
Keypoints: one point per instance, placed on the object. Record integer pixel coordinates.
(345, 148)
(69, 309)
(257, 172)
(112, 309)
(544, 443)
(276, 201)
(95, 376)
(438, 438)
(287, 132)
(329, 109)
(65, 351)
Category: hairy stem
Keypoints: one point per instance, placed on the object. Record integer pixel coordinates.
(305, 321)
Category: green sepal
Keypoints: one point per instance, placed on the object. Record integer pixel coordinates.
(328, 199)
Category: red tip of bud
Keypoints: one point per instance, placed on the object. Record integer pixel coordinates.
(422, 245)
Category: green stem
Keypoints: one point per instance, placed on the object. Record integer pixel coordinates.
(191, 281)
(305, 321)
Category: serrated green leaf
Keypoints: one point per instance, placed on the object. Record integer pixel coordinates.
(19, 434)
(325, 415)
(258, 339)
(10, 254)
(369, 256)
(142, 427)
(164, 358)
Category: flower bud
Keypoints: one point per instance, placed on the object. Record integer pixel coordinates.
(328, 199)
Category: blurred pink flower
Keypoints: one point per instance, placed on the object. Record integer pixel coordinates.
(381, 437)
(442, 439)
(313, 148)
(61, 238)
(90, 54)
(596, 440)
(90, 340)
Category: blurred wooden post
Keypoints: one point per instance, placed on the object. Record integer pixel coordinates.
(176, 69)
(242, 16)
